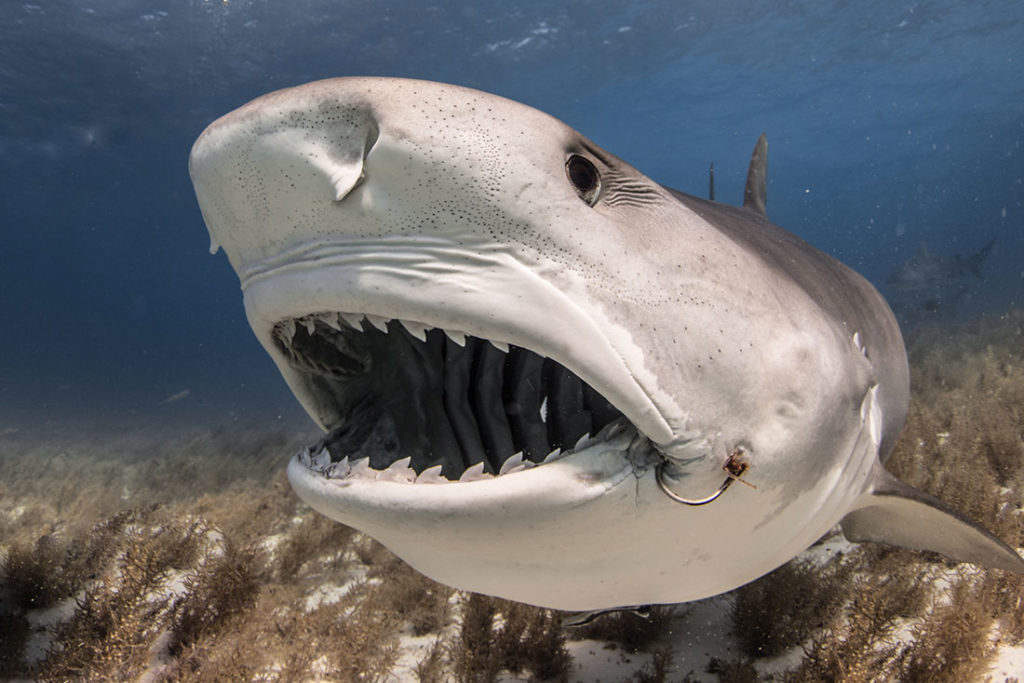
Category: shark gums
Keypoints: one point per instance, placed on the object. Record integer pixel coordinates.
(542, 375)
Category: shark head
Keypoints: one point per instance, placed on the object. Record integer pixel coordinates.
(532, 363)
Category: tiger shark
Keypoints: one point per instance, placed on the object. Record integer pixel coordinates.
(542, 375)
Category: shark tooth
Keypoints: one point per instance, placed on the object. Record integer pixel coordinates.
(319, 460)
(456, 336)
(431, 475)
(610, 431)
(582, 442)
(331, 320)
(338, 470)
(860, 347)
(378, 322)
(473, 472)
(500, 345)
(416, 330)
(361, 468)
(553, 455)
(398, 471)
(289, 328)
(309, 322)
(402, 464)
(637, 443)
(512, 464)
(353, 319)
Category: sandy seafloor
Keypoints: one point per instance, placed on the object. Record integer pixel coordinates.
(146, 551)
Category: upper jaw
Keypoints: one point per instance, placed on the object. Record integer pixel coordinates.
(504, 303)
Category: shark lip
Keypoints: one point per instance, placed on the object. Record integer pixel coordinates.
(418, 404)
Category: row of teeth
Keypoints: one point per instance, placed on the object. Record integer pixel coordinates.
(318, 458)
(354, 320)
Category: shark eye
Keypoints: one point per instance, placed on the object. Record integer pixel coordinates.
(584, 178)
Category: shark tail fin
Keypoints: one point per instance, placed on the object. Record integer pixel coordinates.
(898, 514)
(755, 195)
(978, 257)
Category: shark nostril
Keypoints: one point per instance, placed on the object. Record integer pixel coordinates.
(337, 153)
(372, 135)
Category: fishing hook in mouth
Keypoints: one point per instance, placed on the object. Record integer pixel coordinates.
(734, 467)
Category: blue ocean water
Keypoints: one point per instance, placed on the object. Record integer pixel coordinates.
(890, 124)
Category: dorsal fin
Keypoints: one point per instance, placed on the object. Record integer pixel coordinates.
(895, 513)
(755, 196)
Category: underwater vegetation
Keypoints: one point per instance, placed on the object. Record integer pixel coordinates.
(187, 557)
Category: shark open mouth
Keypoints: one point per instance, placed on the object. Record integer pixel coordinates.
(406, 402)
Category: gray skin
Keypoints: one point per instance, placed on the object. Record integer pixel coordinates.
(724, 341)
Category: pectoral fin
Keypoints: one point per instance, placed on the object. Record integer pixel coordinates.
(898, 514)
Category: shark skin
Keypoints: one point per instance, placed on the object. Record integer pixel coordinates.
(540, 373)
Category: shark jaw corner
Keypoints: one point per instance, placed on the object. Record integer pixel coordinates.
(539, 372)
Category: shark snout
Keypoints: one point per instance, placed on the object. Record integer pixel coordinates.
(274, 171)
(283, 148)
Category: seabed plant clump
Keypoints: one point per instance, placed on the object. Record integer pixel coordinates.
(188, 559)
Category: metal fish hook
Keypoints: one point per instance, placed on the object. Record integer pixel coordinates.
(734, 467)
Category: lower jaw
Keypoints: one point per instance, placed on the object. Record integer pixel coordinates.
(343, 486)
(557, 535)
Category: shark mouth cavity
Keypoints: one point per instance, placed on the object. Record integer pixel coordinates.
(406, 402)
